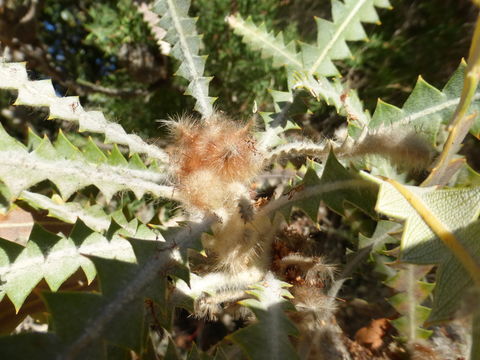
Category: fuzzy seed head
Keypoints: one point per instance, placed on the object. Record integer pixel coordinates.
(213, 161)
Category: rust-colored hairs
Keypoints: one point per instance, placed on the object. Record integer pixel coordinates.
(213, 160)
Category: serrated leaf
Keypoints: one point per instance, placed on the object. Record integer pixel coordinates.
(380, 237)
(334, 93)
(362, 197)
(268, 338)
(21, 169)
(20, 276)
(462, 122)
(402, 325)
(332, 36)
(33, 140)
(9, 251)
(440, 228)
(116, 158)
(182, 34)
(215, 283)
(272, 136)
(425, 109)
(105, 316)
(269, 44)
(41, 93)
(100, 319)
(54, 258)
(93, 216)
(136, 162)
(311, 206)
(412, 292)
(66, 148)
(299, 76)
(114, 276)
(158, 32)
(407, 280)
(92, 153)
(337, 187)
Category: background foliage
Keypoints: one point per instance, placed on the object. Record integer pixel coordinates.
(107, 55)
(83, 42)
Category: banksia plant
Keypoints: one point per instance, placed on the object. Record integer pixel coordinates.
(256, 207)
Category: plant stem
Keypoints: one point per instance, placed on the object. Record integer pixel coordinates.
(460, 123)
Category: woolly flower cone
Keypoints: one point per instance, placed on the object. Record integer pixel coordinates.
(213, 162)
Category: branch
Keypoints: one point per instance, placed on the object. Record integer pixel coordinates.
(32, 12)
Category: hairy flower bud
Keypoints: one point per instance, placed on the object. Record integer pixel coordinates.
(213, 161)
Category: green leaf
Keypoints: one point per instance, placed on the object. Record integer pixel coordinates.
(116, 158)
(54, 258)
(182, 34)
(332, 36)
(20, 169)
(100, 319)
(41, 93)
(9, 251)
(412, 292)
(272, 136)
(455, 248)
(33, 140)
(334, 93)
(114, 276)
(268, 337)
(136, 162)
(346, 101)
(380, 237)
(419, 243)
(270, 45)
(93, 154)
(425, 109)
(452, 279)
(21, 275)
(362, 197)
(66, 148)
(461, 122)
(124, 287)
(405, 135)
(337, 187)
(421, 314)
(171, 353)
(17, 347)
(93, 216)
(467, 176)
(313, 203)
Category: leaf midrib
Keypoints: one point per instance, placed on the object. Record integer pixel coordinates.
(336, 36)
(204, 105)
(267, 44)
